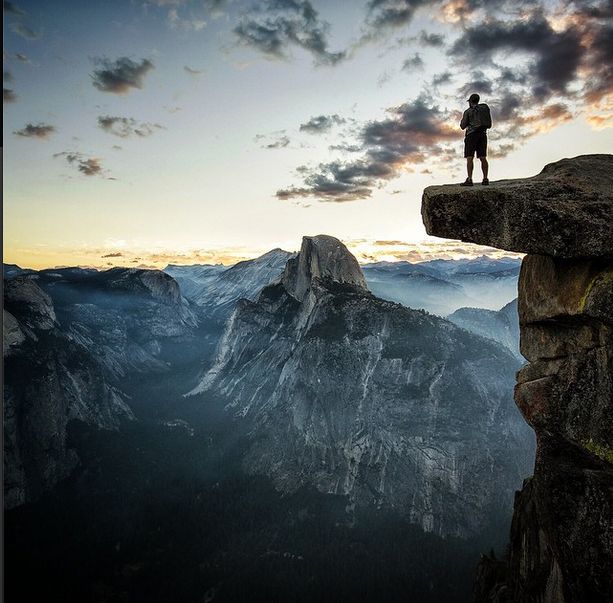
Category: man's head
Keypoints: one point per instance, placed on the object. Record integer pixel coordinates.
(473, 100)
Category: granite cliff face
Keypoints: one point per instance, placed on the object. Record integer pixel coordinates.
(561, 546)
(500, 325)
(123, 316)
(366, 398)
(214, 290)
(72, 337)
(50, 380)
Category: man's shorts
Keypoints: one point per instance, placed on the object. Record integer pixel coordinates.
(475, 143)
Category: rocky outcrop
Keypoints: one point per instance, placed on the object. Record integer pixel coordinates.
(563, 212)
(561, 547)
(49, 381)
(322, 258)
(122, 316)
(365, 398)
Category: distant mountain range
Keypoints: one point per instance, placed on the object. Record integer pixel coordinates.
(77, 340)
(443, 286)
(438, 286)
(215, 289)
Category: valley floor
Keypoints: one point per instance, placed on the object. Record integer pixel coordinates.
(161, 511)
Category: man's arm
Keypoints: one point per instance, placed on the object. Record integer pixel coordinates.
(464, 121)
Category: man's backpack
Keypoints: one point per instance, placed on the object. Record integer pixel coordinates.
(484, 116)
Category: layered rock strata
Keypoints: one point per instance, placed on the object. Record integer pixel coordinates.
(561, 547)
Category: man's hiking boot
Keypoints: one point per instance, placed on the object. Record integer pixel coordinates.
(467, 182)
(485, 181)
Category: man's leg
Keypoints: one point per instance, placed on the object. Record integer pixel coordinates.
(469, 167)
(484, 167)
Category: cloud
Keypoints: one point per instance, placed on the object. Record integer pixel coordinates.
(413, 131)
(120, 76)
(88, 166)
(42, 131)
(8, 96)
(441, 78)
(276, 25)
(25, 32)
(321, 123)
(189, 24)
(431, 39)
(480, 84)
(192, 71)
(281, 141)
(367, 250)
(21, 57)
(556, 54)
(412, 63)
(599, 122)
(383, 14)
(7, 76)
(124, 127)
(9, 7)
(392, 243)
(116, 254)
(599, 61)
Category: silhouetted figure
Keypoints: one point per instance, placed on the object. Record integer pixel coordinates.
(476, 121)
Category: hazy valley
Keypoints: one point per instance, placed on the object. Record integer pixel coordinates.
(269, 415)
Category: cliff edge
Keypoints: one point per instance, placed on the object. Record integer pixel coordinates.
(561, 547)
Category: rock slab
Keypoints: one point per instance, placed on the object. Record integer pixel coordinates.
(566, 211)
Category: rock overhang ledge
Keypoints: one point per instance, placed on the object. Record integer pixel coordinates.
(566, 211)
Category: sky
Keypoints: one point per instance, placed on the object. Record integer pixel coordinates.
(142, 133)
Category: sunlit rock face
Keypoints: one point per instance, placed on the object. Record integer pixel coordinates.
(363, 397)
(562, 534)
(49, 380)
(214, 290)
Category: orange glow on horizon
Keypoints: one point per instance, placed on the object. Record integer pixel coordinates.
(366, 251)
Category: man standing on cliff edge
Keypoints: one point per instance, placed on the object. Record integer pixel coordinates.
(476, 121)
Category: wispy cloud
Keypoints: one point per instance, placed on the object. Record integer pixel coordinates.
(393, 250)
(413, 63)
(190, 23)
(13, 9)
(88, 166)
(120, 76)
(124, 127)
(24, 31)
(321, 123)
(275, 26)
(412, 131)
(276, 140)
(191, 71)
(41, 131)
